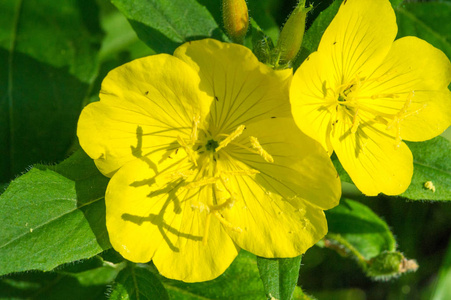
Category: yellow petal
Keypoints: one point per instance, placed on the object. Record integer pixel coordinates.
(416, 76)
(358, 38)
(311, 109)
(244, 89)
(280, 208)
(150, 216)
(144, 105)
(373, 159)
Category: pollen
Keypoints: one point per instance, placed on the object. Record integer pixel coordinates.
(430, 186)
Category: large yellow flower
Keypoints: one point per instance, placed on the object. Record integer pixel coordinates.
(205, 159)
(361, 94)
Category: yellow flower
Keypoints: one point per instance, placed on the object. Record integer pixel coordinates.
(205, 159)
(362, 93)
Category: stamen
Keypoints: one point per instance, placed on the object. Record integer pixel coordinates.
(262, 152)
(194, 132)
(179, 174)
(241, 172)
(187, 149)
(401, 115)
(202, 182)
(226, 223)
(231, 137)
(226, 204)
(225, 183)
(355, 121)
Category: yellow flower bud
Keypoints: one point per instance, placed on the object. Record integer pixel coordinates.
(290, 39)
(236, 19)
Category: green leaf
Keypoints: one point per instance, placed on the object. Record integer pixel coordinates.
(260, 11)
(93, 271)
(432, 162)
(120, 37)
(442, 288)
(165, 25)
(432, 165)
(428, 21)
(357, 232)
(361, 228)
(396, 3)
(137, 283)
(279, 276)
(47, 286)
(262, 45)
(240, 281)
(47, 61)
(53, 215)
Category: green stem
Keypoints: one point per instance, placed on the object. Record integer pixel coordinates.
(350, 248)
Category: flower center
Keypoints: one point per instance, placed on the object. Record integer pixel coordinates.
(349, 101)
(211, 145)
(203, 151)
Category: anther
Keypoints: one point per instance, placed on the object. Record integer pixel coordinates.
(262, 152)
(231, 137)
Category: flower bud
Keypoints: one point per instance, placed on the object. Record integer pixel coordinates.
(290, 39)
(236, 19)
(390, 264)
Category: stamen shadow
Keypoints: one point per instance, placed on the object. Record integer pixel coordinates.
(170, 189)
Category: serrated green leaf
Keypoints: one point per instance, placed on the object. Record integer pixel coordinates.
(47, 61)
(165, 25)
(432, 165)
(428, 21)
(240, 281)
(50, 217)
(279, 276)
(137, 283)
